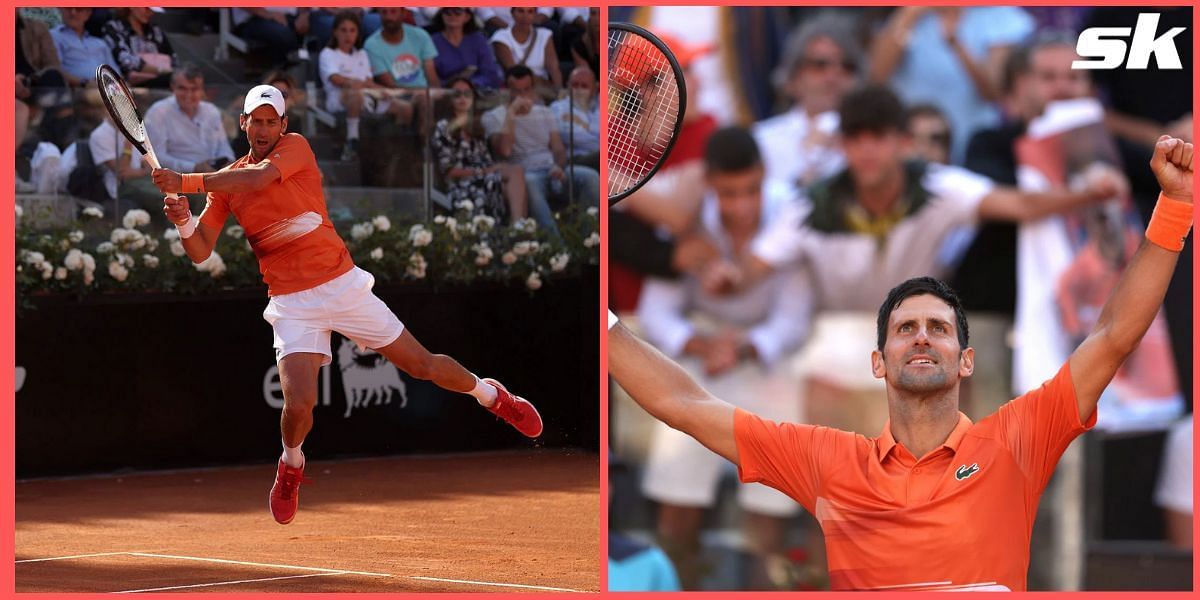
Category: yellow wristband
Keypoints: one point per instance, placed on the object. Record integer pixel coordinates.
(1170, 223)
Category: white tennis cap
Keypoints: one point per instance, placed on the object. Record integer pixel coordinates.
(264, 94)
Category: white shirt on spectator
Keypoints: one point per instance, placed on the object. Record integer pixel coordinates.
(794, 146)
(531, 133)
(1175, 479)
(586, 122)
(853, 271)
(332, 61)
(181, 141)
(504, 13)
(775, 312)
(105, 144)
(537, 56)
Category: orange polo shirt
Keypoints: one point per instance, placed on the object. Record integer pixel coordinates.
(286, 223)
(959, 517)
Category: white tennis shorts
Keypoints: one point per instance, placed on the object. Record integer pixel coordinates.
(681, 471)
(303, 321)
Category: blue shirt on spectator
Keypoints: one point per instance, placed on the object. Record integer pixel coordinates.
(406, 60)
(80, 55)
(586, 122)
(473, 51)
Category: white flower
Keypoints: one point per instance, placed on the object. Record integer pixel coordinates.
(362, 231)
(34, 258)
(377, 254)
(381, 223)
(419, 236)
(74, 260)
(117, 271)
(128, 239)
(534, 281)
(135, 218)
(439, 219)
(125, 260)
(508, 258)
(592, 240)
(89, 263)
(235, 232)
(483, 254)
(75, 236)
(88, 277)
(214, 265)
(20, 211)
(177, 248)
(151, 243)
(483, 221)
(47, 270)
(416, 265)
(466, 205)
(592, 210)
(523, 248)
(171, 234)
(60, 273)
(105, 248)
(63, 244)
(526, 225)
(94, 212)
(150, 260)
(451, 223)
(559, 261)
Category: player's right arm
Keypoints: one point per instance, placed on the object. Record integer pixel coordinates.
(669, 394)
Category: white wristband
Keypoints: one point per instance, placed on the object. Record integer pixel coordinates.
(612, 319)
(188, 228)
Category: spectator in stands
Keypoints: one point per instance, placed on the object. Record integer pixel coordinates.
(495, 189)
(578, 118)
(462, 51)
(41, 90)
(528, 45)
(279, 28)
(634, 566)
(885, 220)
(345, 72)
(951, 57)
(402, 58)
(81, 53)
(524, 132)
(820, 63)
(930, 133)
(501, 17)
(585, 49)
(322, 22)
(1174, 493)
(733, 346)
(186, 130)
(293, 94)
(37, 60)
(126, 176)
(140, 47)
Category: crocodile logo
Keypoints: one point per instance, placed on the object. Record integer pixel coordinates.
(964, 471)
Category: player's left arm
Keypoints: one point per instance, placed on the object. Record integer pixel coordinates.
(1138, 295)
(250, 178)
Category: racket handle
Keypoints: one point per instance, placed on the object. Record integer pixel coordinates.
(153, 161)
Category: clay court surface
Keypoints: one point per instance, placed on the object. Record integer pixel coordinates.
(495, 522)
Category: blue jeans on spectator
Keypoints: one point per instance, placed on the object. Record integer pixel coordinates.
(585, 181)
(320, 25)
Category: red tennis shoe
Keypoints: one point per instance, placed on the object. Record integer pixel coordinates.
(515, 410)
(285, 494)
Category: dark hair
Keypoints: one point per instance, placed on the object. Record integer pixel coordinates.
(871, 108)
(346, 15)
(731, 149)
(436, 24)
(925, 109)
(920, 286)
(518, 72)
(1015, 66)
(188, 72)
(445, 108)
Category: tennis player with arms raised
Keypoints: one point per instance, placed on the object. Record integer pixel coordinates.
(275, 194)
(936, 501)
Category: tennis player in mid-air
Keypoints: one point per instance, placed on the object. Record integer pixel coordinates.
(936, 502)
(275, 194)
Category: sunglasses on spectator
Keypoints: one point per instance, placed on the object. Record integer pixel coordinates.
(937, 137)
(460, 93)
(454, 11)
(824, 64)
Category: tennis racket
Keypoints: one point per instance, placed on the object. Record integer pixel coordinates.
(647, 97)
(125, 114)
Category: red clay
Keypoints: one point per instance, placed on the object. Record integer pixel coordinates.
(524, 518)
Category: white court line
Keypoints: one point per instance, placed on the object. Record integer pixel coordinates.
(514, 585)
(29, 560)
(197, 585)
(255, 564)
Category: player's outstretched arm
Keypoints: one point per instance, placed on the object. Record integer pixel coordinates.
(250, 178)
(665, 391)
(1139, 294)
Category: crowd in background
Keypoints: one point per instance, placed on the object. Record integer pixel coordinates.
(841, 151)
(505, 100)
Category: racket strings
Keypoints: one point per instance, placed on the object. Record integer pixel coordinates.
(643, 107)
(124, 108)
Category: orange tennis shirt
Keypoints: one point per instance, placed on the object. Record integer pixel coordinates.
(959, 517)
(286, 223)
